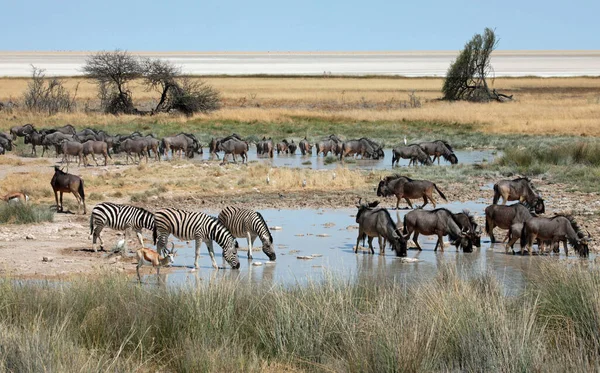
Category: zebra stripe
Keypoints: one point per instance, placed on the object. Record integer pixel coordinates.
(119, 217)
(249, 224)
(197, 226)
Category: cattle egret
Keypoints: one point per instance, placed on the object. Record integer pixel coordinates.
(120, 244)
(268, 179)
(303, 183)
(334, 175)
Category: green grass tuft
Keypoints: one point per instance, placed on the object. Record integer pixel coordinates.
(19, 213)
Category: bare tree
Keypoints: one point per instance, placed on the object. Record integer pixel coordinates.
(112, 72)
(160, 75)
(466, 77)
(47, 95)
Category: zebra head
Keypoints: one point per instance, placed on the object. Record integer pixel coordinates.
(269, 249)
(230, 254)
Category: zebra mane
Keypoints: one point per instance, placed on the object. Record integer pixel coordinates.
(265, 223)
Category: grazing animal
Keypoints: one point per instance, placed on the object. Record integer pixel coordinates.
(2, 150)
(16, 197)
(504, 217)
(283, 147)
(6, 142)
(121, 218)
(136, 146)
(519, 189)
(249, 224)
(438, 149)
(234, 146)
(292, 148)
(198, 226)
(183, 143)
(55, 139)
(407, 188)
(305, 147)
(364, 147)
(97, 147)
(21, 131)
(438, 222)
(72, 148)
(265, 146)
(67, 129)
(560, 228)
(412, 152)
(150, 256)
(34, 138)
(64, 182)
(467, 223)
(213, 146)
(377, 222)
(329, 144)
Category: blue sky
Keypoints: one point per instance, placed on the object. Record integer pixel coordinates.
(279, 25)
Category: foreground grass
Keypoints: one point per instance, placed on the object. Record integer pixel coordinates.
(371, 325)
(19, 213)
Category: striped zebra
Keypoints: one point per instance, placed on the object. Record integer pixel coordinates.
(198, 226)
(249, 224)
(119, 217)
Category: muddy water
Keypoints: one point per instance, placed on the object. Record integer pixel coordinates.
(318, 162)
(328, 236)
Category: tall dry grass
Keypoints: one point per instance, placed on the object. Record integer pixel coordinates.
(370, 324)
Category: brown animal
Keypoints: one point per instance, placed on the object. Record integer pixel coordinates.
(305, 147)
(72, 148)
(519, 189)
(407, 188)
(96, 147)
(64, 182)
(16, 197)
(150, 256)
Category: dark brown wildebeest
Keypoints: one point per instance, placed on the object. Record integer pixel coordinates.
(504, 217)
(183, 143)
(67, 129)
(412, 152)
(21, 131)
(519, 189)
(136, 146)
(440, 222)
(34, 138)
(233, 147)
(377, 222)
(364, 147)
(407, 188)
(305, 147)
(559, 228)
(97, 147)
(377, 148)
(72, 148)
(292, 147)
(6, 141)
(438, 149)
(213, 146)
(55, 139)
(467, 223)
(283, 147)
(64, 182)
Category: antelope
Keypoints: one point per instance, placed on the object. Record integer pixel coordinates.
(15, 197)
(150, 256)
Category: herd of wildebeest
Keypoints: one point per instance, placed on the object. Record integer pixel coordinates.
(523, 220)
(69, 142)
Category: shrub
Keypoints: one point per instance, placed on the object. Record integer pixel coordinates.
(19, 213)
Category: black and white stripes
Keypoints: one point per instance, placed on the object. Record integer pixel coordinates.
(119, 217)
(198, 226)
(249, 224)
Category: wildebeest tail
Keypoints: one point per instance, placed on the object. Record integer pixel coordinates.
(108, 152)
(496, 194)
(487, 224)
(404, 230)
(393, 157)
(162, 147)
(81, 192)
(523, 236)
(440, 193)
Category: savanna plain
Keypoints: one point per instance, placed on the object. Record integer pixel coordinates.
(82, 311)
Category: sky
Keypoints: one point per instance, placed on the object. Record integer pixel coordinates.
(280, 25)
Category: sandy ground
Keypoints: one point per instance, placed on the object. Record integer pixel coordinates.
(66, 243)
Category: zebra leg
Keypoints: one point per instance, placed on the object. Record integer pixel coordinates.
(96, 235)
(250, 241)
(211, 252)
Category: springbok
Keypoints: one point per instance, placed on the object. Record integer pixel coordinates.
(15, 197)
(150, 256)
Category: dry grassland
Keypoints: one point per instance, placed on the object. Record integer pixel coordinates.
(569, 106)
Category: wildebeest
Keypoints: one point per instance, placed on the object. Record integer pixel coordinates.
(265, 146)
(72, 148)
(438, 149)
(438, 222)
(213, 146)
(34, 138)
(96, 147)
(466, 222)
(518, 189)
(283, 147)
(292, 148)
(305, 147)
(6, 142)
(412, 152)
(55, 139)
(560, 228)
(407, 188)
(234, 146)
(67, 129)
(329, 144)
(2, 150)
(504, 217)
(184, 143)
(135, 146)
(377, 222)
(364, 147)
(64, 182)
(21, 131)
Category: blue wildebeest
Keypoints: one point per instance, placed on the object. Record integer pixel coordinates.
(283, 147)
(136, 146)
(64, 182)
(438, 149)
(377, 222)
(519, 189)
(560, 228)
(407, 188)
(412, 152)
(440, 222)
(305, 147)
(6, 141)
(96, 147)
(467, 223)
(55, 139)
(34, 138)
(21, 131)
(292, 147)
(504, 217)
(234, 146)
(72, 148)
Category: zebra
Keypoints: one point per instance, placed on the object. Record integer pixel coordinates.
(250, 224)
(119, 217)
(187, 225)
